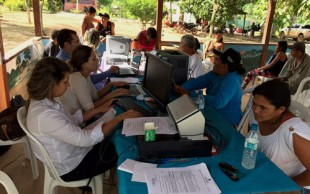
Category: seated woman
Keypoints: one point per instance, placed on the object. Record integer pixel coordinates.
(74, 152)
(273, 67)
(222, 84)
(88, 19)
(283, 137)
(106, 27)
(82, 94)
(147, 40)
(215, 43)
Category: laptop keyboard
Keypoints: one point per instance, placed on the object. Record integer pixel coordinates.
(127, 104)
(123, 71)
(136, 90)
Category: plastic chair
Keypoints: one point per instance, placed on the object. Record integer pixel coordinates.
(302, 96)
(38, 48)
(51, 177)
(300, 110)
(247, 108)
(8, 184)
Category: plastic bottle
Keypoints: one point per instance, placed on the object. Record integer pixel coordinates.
(142, 63)
(200, 101)
(250, 148)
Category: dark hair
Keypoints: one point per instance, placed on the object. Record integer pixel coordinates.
(283, 45)
(89, 10)
(47, 73)
(151, 32)
(79, 56)
(106, 15)
(276, 92)
(232, 58)
(65, 36)
(54, 34)
(189, 40)
(197, 44)
(218, 31)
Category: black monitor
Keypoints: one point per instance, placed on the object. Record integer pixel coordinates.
(179, 60)
(158, 79)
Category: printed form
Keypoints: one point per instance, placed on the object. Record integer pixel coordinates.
(195, 179)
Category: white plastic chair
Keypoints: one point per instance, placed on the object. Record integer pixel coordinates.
(51, 177)
(247, 108)
(7, 183)
(38, 48)
(300, 110)
(303, 96)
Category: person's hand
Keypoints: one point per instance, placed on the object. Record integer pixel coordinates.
(103, 40)
(119, 92)
(106, 106)
(178, 90)
(119, 84)
(114, 69)
(130, 114)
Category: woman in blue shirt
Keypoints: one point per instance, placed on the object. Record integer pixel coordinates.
(223, 85)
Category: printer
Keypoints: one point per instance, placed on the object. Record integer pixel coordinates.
(189, 142)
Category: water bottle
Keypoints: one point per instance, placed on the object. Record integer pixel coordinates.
(250, 148)
(142, 63)
(200, 101)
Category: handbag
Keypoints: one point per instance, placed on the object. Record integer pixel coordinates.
(9, 126)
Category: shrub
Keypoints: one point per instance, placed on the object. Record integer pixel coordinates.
(15, 5)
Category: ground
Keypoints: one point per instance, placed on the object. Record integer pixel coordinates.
(16, 29)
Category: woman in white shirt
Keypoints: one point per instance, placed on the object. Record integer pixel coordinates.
(75, 152)
(283, 137)
(82, 94)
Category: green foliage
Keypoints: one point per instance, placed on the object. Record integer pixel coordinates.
(54, 6)
(144, 10)
(15, 5)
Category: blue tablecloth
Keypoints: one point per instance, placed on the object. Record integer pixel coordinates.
(265, 177)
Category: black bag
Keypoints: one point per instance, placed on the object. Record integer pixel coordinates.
(9, 126)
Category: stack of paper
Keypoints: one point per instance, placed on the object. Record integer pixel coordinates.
(135, 126)
(195, 179)
(130, 80)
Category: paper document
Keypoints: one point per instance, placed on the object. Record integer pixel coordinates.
(135, 126)
(130, 80)
(109, 115)
(194, 179)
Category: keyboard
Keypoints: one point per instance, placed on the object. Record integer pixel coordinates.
(136, 90)
(128, 103)
(125, 71)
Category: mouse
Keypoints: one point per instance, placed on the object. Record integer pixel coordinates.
(140, 97)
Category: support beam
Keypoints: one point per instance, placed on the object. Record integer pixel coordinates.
(4, 94)
(37, 17)
(159, 20)
(267, 30)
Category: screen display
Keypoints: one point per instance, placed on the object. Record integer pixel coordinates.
(118, 45)
(157, 79)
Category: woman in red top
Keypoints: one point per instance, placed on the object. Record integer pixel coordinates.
(147, 40)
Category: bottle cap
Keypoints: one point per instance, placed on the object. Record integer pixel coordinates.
(253, 126)
(148, 126)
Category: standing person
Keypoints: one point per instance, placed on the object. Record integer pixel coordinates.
(105, 27)
(147, 40)
(298, 66)
(222, 84)
(89, 18)
(283, 137)
(273, 67)
(52, 48)
(216, 42)
(82, 93)
(74, 152)
(188, 45)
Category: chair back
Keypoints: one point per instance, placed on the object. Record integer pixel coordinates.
(21, 117)
(247, 108)
(300, 110)
(302, 95)
(38, 48)
(7, 183)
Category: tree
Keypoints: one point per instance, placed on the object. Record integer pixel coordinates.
(144, 10)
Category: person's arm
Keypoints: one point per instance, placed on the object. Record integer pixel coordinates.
(289, 65)
(273, 62)
(112, 28)
(100, 109)
(205, 50)
(301, 149)
(222, 47)
(198, 83)
(95, 20)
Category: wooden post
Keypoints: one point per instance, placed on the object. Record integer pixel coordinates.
(4, 90)
(37, 17)
(159, 21)
(267, 30)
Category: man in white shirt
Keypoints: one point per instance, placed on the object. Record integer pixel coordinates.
(188, 45)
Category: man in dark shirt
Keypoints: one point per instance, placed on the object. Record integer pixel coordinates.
(52, 48)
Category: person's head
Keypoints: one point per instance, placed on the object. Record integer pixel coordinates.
(68, 40)
(227, 61)
(298, 49)
(48, 79)
(104, 17)
(151, 34)
(218, 35)
(282, 46)
(188, 44)
(84, 59)
(90, 11)
(271, 100)
(54, 35)
(91, 38)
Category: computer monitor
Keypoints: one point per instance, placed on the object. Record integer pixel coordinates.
(158, 79)
(117, 45)
(179, 60)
